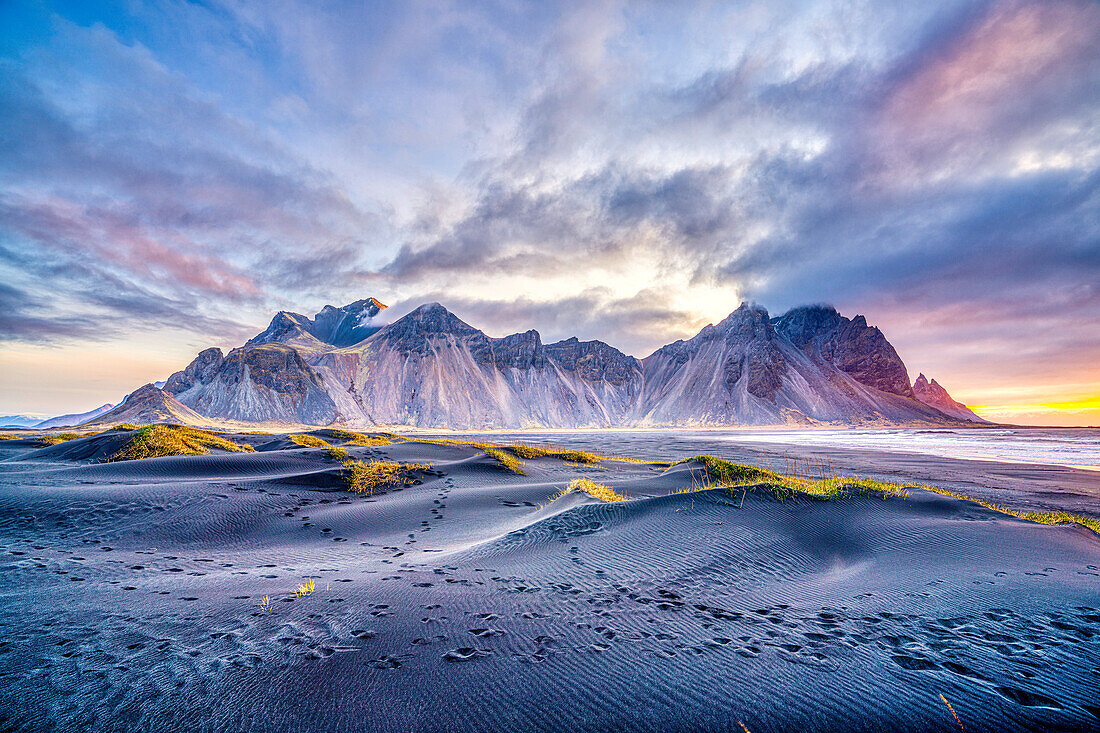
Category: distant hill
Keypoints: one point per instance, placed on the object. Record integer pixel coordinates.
(75, 418)
(810, 366)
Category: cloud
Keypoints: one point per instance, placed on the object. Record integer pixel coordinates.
(613, 170)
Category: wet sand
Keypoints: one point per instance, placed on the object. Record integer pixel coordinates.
(470, 601)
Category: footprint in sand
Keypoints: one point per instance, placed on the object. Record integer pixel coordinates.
(466, 654)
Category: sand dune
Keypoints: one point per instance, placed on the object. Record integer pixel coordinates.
(467, 600)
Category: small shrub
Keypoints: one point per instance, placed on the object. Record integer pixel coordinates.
(308, 441)
(155, 441)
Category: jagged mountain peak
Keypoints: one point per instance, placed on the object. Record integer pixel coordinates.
(934, 395)
(343, 326)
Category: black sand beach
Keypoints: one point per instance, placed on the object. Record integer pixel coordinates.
(469, 600)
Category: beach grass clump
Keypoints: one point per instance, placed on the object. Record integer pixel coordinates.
(59, 438)
(360, 476)
(505, 459)
(8, 436)
(352, 438)
(730, 476)
(125, 426)
(307, 441)
(336, 453)
(726, 473)
(156, 441)
(593, 489)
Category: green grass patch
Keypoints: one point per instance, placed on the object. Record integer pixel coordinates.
(155, 441)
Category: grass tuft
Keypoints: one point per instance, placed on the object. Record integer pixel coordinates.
(8, 436)
(1049, 517)
(593, 489)
(309, 441)
(155, 441)
(336, 453)
(505, 459)
(366, 477)
(59, 438)
(125, 426)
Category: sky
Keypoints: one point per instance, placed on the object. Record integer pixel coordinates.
(172, 174)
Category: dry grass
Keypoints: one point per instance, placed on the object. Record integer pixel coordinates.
(8, 436)
(125, 426)
(308, 441)
(593, 489)
(174, 440)
(505, 459)
(366, 477)
(953, 714)
(304, 589)
(352, 438)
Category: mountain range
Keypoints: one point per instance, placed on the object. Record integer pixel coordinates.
(810, 366)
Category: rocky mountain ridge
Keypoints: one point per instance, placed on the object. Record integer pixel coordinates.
(431, 369)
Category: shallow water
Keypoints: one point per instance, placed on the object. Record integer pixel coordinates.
(1075, 447)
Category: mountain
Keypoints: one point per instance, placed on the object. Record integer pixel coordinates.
(147, 405)
(931, 393)
(747, 371)
(74, 419)
(431, 369)
(269, 382)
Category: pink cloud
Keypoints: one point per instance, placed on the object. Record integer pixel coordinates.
(986, 85)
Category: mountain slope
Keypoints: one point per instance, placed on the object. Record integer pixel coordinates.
(931, 393)
(270, 382)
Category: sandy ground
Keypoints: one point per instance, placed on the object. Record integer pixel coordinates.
(132, 596)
